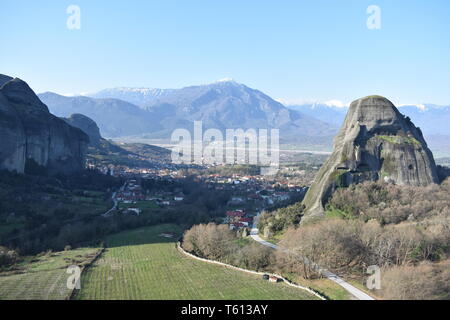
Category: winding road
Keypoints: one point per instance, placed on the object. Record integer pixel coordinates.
(360, 295)
(115, 202)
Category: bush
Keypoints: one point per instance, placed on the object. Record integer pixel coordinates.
(391, 204)
(217, 242)
(254, 257)
(352, 245)
(280, 219)
(7, 257)
(333, 243)
(211, 241)
(426, 281)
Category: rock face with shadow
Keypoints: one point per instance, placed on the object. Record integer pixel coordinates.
(87, 125)
(376, 142)
(29, 133)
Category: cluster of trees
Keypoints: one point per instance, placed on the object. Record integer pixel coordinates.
(390, 203)
(275, 220)
(218, 242)
(347, 246)
(350, 246)
(426, 281)
(242, 169)
(404, 230)
(7, 257)
(200, 203)
(43, 215)
(36, 210)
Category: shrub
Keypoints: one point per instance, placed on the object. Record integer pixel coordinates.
(426, 281)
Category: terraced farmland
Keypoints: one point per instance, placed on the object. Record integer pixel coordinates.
(141, 264)
(43, 277)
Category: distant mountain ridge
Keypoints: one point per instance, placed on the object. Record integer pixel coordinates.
(137, 96)
(155, 113)
(114, 117)
(433, 119)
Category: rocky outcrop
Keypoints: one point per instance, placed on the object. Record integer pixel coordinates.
(30, 133)
(87, 125)
(376, 142)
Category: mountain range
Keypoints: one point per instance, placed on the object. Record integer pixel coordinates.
(156, 113)
(433, 119)
(152, 113)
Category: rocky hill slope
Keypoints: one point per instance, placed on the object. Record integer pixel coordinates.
(87, 125)
(376, 142)
(31, 135)
(108, 152)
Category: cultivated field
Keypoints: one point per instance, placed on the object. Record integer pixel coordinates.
(42, 277)
(142, 264)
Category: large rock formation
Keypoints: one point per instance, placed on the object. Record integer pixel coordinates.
(31, 134)
(87, 125)
(376, 142)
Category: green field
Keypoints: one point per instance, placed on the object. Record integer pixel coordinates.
(140, 204)
(141, 264)
(42, 277)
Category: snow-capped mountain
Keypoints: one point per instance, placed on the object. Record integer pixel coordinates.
(432, 119)
(325, 111)
(223, 104)
(228, 104)
(137, 96)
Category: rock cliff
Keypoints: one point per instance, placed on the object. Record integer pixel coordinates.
(30, 133)
(376, 142)
(87, 125)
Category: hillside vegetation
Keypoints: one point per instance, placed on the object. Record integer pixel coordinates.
(403, 230)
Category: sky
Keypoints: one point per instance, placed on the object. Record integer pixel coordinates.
(295, 51)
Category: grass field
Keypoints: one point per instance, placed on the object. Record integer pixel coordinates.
(140, 264)
(42, 277)
(140, 204)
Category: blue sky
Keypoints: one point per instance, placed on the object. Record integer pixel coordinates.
(294, 50)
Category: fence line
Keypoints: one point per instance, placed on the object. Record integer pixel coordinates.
(74, 292)
(290, 283)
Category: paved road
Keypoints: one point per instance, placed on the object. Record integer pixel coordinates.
(360, 295)
(113, 198)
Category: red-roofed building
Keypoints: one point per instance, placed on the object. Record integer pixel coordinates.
(234, 216)
(235, 213)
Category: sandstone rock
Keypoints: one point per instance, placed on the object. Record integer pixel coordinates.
(29, 131)
(87, 125)
(376, 142)
(13, 139)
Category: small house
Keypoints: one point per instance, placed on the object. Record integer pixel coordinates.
(274, 279)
